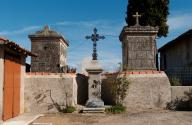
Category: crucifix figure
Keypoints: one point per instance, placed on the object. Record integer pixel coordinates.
(95, 37)
(137, 16)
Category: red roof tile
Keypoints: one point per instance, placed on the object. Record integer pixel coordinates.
(16, 47)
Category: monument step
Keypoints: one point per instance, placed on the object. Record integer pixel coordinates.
(93, 110)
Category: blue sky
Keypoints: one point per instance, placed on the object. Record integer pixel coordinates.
(75, 19)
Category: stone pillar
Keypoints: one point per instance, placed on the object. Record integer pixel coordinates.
(139, 47)
(23, 60)
(94, 102)
(1, 80)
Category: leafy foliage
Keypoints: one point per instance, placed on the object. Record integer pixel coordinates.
(119, 108)
(69, 109)
(182, 104)
(120, 87)
(154, 13)
(175, 82)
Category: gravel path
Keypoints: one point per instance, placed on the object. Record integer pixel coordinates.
(160, 117)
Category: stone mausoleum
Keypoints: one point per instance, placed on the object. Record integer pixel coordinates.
(139, 47)
(148, 88)
(51, 48)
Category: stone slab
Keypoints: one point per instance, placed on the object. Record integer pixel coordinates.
(93, 110)
(94, 65)
(95, 103)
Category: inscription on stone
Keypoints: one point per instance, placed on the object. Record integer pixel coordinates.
(139, 47)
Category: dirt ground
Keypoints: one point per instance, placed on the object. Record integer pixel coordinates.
(157, 117)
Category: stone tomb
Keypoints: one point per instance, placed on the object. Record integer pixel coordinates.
(139, 47)
(147, 90)
(51, 48)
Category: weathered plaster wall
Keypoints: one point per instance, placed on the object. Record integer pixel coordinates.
(1, 80)
(145, 91)
(22, 85)
(63, 89)
(179, 91)
(148, 91)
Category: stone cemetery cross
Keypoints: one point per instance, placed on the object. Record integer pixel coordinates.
(137, 16)
(94, 102)
(95, 37)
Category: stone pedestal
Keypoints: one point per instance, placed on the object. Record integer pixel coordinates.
(139, 47)
(148, 91)
(94, 102)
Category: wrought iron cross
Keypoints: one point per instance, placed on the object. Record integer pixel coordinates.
(95, 37)
(137, 16)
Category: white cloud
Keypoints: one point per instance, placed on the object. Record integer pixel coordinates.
(180, 21)
(79, 47)
(20, 31)
(105, 23)
(4, 33)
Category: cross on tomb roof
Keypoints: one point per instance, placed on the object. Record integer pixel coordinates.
(137, 16)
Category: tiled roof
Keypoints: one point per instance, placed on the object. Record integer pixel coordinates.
(12, 45)
(187, 34)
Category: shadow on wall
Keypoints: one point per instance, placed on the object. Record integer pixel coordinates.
(107, 90)
(82, 89)
(183, 103)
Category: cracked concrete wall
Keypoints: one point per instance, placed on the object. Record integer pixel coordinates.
(63, 90)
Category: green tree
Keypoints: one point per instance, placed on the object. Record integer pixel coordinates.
(153, 13)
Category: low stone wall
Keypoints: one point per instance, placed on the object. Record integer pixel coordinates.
(42, 91)
(146, 90)
(179, 91)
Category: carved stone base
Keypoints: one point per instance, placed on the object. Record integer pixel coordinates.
(94, 104)
(93, 110)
